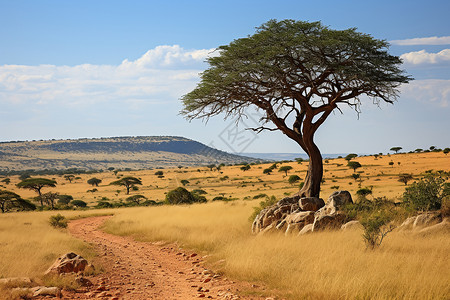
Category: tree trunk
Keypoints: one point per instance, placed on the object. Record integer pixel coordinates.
(314, 175)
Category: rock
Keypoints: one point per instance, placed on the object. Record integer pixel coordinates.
(83, 281)
(407, 223)
(46, 291)
(68, 263)
(310, 203)
(352, 225)
(15, 281)
(333, 221)
(306, 229)
(443, 227)
(335, 202)
(426, 219)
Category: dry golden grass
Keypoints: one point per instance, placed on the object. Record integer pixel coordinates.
(329, 265)
(29, 245)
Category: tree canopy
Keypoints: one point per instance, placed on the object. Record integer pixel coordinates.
(128, 182)
(36, 184)
(10, 200)
(296, 74)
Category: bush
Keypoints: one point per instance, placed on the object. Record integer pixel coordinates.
(182, 196)
(375, 228)
(293, 179)
(260, 196)
(103, 204)
(199, 192)
(159, 173)
(58, 221)
(64, 199)
(78, 203)
(427, 193)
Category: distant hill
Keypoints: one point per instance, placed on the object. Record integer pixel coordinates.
(141, 152)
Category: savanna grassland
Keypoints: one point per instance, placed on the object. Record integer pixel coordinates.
(325, 265)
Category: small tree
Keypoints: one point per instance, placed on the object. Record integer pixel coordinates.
(351, 156)
(137, 199)
(128, 182)
(49, 198)
(285, 169)
(159, 173)
(375, 229)
(94, 181)
(267, 171)
(293, 179)
(10, 200)
(356, 176)
(6, 180)
(396, 149)
(64, 199)
(405, 178)
(245, 168)
(354, 165)
(78, 203)
(211, 166)
(184, 182)
(446, 151)
(36, 184)
(391, 163)
(69, 177)
(182, 196)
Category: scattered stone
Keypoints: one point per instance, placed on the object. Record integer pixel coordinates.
(46, 291)
(68, 263)
(15, 280)
(83, 281)
(426, 219)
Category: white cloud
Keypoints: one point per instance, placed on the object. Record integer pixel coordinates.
(163, 73)
(434, 91)
(434, 40)
(424, 57)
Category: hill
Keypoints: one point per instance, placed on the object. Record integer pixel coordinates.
(141, 152)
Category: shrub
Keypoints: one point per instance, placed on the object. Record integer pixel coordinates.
(58, 221)
(103, 204)
(159, 173)
(293, 179)
(64, 199)
(427, 193)
(182, 196)
(260, 196)
(363, 193)
(184, 182)
(375, 228)
(199, 192)
(78, 203)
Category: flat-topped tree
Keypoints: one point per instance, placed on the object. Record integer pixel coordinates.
(128, 182)
(36, 184)
(296, 74)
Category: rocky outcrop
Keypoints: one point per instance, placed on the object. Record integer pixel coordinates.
(422, 220)
(292, 214)
(39, 291)
(68, 263)
(352, 225)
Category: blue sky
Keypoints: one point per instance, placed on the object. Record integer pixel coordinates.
(73, 69)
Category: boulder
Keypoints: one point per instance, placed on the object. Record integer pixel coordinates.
(443, 227)
(46, 291)
(407, 223)
(306, 229)
(310, 203)
(426, 219)
(68, 263)
(303, 216)
(333, 221)
(352, 225)
(335, 202)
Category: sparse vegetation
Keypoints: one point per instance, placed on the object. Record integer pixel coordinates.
(427, 193)
(58, 221)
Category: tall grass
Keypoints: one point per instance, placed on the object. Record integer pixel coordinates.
(29, 245)
(327, 265)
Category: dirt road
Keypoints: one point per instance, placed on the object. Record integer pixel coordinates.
(139, 270)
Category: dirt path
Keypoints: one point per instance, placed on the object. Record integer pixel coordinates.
(139, 270)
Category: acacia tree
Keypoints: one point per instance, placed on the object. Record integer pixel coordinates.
(128, 182)
(36, 184)
(296, 73)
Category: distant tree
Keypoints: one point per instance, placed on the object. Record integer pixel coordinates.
(273, 166)
(432, 148)
(36, 184)
(211, 167)
(267, 171)
(391, 163)
(64, 199)
(418, 150)
(285, 169)
(293, 179)
(354, 165)
(396, 149)
(159, 173)
(137, 199)
(182, 196)
(199, 192)
(110, 168)
(49, 198)
(356, 176)
(351, 156)
(245, 168)
(8, 200)
(299, 160)
(446, 151)
(128, 182)
(24, 176)
(69, 177)
(184, 182)
(6, 180)
(405, 178)
(94, 181)
(78, 203)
